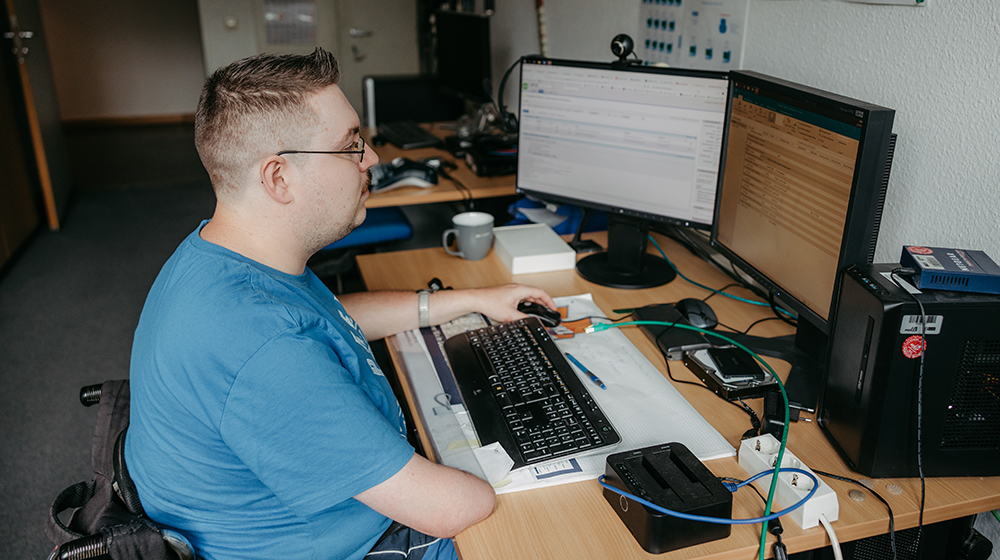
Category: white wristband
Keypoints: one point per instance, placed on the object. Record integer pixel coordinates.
(423, 308)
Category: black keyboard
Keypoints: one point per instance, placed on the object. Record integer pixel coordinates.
(407, 135)
(520, 391)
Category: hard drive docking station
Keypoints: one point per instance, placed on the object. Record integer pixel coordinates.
(670, 476)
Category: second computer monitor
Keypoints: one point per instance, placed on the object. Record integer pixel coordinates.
(642, 143)
(802, 188)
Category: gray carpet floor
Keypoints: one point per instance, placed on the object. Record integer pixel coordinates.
(68, 307)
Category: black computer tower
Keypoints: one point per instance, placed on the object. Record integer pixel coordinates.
(868, 406)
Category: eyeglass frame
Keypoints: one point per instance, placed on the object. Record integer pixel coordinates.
(361, 151)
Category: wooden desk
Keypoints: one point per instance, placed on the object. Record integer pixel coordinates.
(574, 521)
(446, 190)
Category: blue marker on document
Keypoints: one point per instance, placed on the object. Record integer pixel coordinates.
(597, 381)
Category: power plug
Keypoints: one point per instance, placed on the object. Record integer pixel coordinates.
(760, 454)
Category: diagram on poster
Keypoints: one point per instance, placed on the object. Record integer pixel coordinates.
(703, 34)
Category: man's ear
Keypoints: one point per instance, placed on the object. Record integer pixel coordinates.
(274, 178)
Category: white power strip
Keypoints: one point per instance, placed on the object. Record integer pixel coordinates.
(760, 454)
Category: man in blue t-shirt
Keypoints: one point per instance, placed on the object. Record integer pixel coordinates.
(261, 426)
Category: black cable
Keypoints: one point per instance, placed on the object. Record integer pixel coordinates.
(727, 327)
(720, 290)
(892, 523)
(681, 236)
(754, 419)
(774, 308)
(467, 199)
(758, 321)
(508, 121)
(622, 318)
(774, 526)
(752, 325)
(920, 399)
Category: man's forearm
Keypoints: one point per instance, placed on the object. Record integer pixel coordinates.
(382, 314)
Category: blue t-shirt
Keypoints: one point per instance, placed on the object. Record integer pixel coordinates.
(257, 411)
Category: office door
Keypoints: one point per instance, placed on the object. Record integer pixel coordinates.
(368, 37)
(377, 38)
(26, 39)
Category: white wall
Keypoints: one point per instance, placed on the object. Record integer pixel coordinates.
(112, 58)
(936, 65)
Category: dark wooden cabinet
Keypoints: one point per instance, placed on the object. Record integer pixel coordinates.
(18, 213)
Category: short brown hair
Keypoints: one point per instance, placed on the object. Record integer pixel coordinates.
(256, 107)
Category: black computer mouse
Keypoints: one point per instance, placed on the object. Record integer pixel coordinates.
(697, 313)
(548, 317)
(378, 141)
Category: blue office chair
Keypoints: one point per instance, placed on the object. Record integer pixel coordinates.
(381, 225)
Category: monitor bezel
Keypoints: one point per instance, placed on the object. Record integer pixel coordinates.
(865, 203)
(611, 209)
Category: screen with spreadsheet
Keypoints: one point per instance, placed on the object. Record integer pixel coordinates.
(640, 141)
(802, 186)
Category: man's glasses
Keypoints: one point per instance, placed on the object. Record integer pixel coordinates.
(358, 147)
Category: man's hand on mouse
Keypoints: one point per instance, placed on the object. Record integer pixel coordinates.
(500, 302)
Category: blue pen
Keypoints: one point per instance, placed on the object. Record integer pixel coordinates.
(597, 381)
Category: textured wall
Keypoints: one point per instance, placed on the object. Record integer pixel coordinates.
(938, 67)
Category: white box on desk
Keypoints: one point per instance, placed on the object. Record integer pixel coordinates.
(532, 248)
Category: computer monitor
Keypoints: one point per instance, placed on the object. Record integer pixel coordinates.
(800, 193)
(640, 142)
(463, 54)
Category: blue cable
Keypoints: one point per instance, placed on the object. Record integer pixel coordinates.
(724, 520)
(713, 290)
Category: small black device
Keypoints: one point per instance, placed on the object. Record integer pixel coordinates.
(729, 372)
(698, 313)
(734, 364)
(490, 156)
(548, 317)
(621, 46)
(671, 477)
(672, 341)
(868, 406)
(407, 135)
(402, 172)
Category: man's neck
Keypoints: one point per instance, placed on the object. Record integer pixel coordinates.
(257, 242)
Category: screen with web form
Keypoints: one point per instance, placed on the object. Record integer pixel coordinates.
(639, 141)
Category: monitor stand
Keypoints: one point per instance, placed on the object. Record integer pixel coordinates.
(626, 264)
(805, 351)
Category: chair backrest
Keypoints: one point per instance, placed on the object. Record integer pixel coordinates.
(407, 98)
(107, 517)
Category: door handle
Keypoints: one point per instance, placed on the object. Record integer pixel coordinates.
(359, 33)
